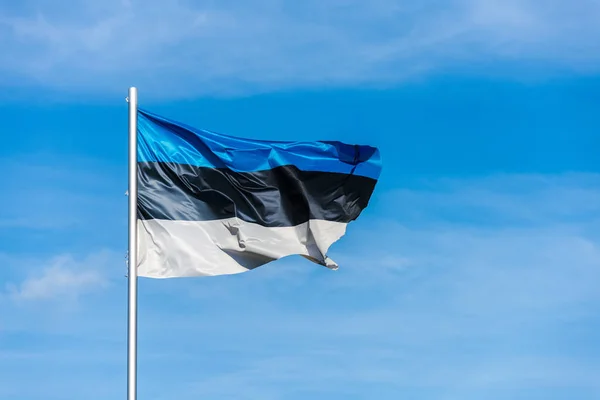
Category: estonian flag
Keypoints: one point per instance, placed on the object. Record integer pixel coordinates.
(212, 204)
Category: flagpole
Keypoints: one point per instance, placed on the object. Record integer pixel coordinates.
(132, 254)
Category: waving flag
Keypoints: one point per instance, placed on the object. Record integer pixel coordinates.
(212, 204)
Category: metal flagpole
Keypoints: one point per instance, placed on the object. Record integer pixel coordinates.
(132, 254)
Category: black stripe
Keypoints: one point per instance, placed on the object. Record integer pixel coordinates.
(282, 196)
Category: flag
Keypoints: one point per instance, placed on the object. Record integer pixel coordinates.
(212, 204)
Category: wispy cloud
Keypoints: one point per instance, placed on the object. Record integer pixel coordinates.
(180, 48)
(62, 278)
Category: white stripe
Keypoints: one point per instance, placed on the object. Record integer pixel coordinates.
(170, 249)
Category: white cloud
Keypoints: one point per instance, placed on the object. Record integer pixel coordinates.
(63, 278)
(180, 48)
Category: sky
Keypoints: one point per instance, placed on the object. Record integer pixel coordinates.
(472, 274)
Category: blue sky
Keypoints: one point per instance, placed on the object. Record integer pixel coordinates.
(471, 275)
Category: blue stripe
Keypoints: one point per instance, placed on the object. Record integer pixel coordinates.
(163, 140)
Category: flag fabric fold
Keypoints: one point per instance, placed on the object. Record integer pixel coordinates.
(213, 204)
